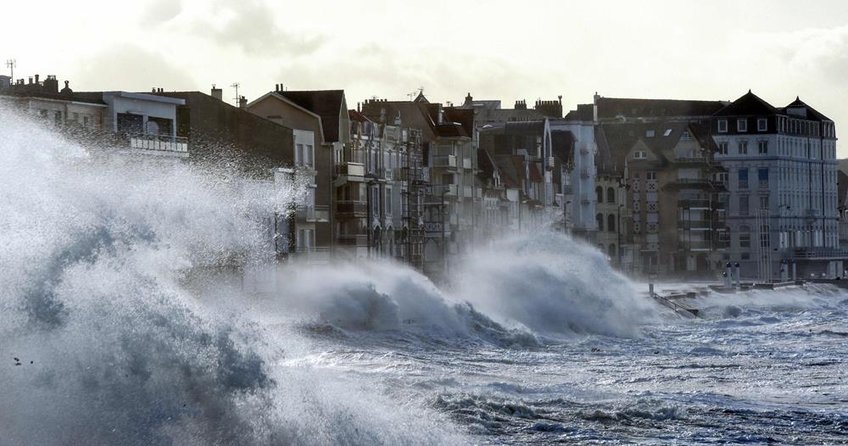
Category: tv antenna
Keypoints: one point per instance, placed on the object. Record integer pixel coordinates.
(12, 63)
(236, 85)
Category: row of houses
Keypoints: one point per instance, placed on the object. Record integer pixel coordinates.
(668, 187)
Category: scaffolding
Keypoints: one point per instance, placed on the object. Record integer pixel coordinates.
(414, 185)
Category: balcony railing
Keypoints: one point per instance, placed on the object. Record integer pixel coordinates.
(313, 213)
(351, 207)
(353, 239)
(163, 144)
(351, 169)
(444, 161)
(820, 253)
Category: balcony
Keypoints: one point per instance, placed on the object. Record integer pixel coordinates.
(159, 144)
(351, 169)
(351, 208)
(353, 239)
(821, 253)
(313, 214)
(444, 161)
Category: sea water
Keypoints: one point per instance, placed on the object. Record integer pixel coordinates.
(110, 335)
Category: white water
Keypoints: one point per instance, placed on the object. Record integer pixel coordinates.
(115, 332)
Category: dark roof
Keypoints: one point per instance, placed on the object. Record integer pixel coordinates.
(421, 114)
(810, 112)
(615, 140)
(524, 128)
(357, 116)
(90, 97)
(584, 112)
(613, 108)
(748, 104)
(328, 104)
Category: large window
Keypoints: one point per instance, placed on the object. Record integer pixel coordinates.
(722, 125)
(611, 223)
(743, 147)
(762, 147)
(599, 194)
(600, 220)
(744, 237)
(610, 195)
(743, 204)
(762, 125)
(742, 125)
(722, 148)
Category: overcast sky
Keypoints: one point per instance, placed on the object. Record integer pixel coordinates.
(505, 50)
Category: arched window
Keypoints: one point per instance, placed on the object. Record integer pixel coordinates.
(600, 219)
(610, 195)
(599, 193)
(611, 222)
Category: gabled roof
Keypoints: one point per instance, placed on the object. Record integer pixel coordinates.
(328, 104)
(747, 105)
(357, 116)
(809, 112)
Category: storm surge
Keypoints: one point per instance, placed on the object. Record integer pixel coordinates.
(103, 342)
(124, 320)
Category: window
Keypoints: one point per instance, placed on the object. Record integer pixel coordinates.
(57, 118)
(764, 202)
(743, 178)
(743, 147)
(742, 125)
(650, 175)
(763, 175)
(640, 155)
(762, 125)
(685, 135)
(722, 125)
(744, 237)
(599, 194)
(611, 223)
(762, 147)
(743, 204)
(649, 133)
(610, 195)
(667, 132)
(764, 236)
(303, 155)
(600, 220)
(722, 148)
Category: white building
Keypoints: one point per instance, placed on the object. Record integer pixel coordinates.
(781, 177)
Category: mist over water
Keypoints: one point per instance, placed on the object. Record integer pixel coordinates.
(123, 321)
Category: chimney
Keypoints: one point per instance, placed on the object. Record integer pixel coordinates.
(468, 99)
(242, 102)
(36, 78)
(521, 105)
(217, 93)
(67, 89)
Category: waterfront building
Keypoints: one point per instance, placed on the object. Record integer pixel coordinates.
(782, 178)
(451, 203)
(321, 131)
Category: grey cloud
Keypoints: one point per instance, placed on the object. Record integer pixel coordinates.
(253, 28)
(128, 67)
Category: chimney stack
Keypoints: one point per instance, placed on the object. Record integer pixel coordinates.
(217, 93)
(36, 78)
(242, 102)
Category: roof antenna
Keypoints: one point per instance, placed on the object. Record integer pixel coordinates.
(236, 85)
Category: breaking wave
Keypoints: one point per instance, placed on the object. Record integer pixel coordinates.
(103, 342)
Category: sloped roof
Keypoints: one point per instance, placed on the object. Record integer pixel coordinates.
(584, 112)
(811, 113)
(328, 104)
(748, 104)
(611, 108)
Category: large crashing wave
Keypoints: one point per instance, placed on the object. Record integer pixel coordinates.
(554, 286)
(102, 343)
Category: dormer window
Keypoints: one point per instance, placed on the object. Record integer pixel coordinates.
(640, 155)
(667, 132)
(742, 125)
(722, 125)
(762, 125)
(685, 135)
(649, 133)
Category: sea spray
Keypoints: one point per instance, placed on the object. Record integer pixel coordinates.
(553, 285)
(103, 343)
